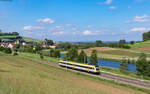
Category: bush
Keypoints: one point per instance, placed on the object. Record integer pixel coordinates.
(7, 51)
(41, 56)
(15, 54)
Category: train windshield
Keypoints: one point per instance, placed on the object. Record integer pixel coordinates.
(97, 68)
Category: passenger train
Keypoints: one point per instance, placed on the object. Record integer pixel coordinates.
(79, 66)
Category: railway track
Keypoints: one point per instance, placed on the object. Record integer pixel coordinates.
(117, 78)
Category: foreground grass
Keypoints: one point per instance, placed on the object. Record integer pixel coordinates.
(37, 56)
(111, 70)
(22, 76)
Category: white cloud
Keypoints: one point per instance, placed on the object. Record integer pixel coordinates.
(32, 28)
(108, 2)
(59, 33)
(112, 7)
(88, 32)
(139, 29)
(56, 28)
(46, 20)
(140, 18)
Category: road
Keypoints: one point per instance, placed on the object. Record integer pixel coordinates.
(116, 78)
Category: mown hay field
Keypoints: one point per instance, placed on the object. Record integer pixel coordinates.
(115, 53)
(22, 76)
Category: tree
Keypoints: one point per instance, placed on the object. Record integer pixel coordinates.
(15, 53)
(49, 42)
(7, 51)
(82, 58)
(16, 47)
(72, 54)
(132, 42)
(57, 53)
(124, 65)
(98, 43)
(38, 47)
(146, 36)
(51, 53)
(15, 33)
(93, 58)
(41, 56)
(142, 65)
(122, 41)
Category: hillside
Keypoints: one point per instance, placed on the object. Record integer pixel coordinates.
(140, 45)
(27, 39)
(22, 76)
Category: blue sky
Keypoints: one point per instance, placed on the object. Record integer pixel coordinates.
(76, 20)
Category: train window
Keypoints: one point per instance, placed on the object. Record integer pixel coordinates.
(91, 68)
(64, 63)
(81, 66)
(69, 64)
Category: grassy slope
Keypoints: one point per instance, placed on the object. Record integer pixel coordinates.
(5, 37)
(117, 54)
(22, 76)
(140, 45)
(113, 53)
(111, 70)
(31, 39)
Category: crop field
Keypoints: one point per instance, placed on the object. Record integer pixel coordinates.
(31, 39)
(116, 53)
(3, 37)
(112, 52)
(22, 76)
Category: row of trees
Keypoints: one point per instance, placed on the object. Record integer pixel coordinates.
(81, 57)
(66, 46)
(142, 65)
(98, 43)
(146, 36)
(31, 48)
(8, 34)
(52, 53)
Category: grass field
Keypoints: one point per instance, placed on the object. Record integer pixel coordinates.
(140, 45)
(27, 39)
(7, 37)
(116, 53)
(111, 70)
(22, 76)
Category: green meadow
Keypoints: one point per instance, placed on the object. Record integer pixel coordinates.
(19, 75)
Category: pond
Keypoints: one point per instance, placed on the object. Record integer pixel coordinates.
(112, 64)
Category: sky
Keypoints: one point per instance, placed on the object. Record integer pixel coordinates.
(76, 20)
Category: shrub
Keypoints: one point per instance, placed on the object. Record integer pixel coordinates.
(15, 54)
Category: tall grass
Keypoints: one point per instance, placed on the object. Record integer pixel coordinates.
(22, 76)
